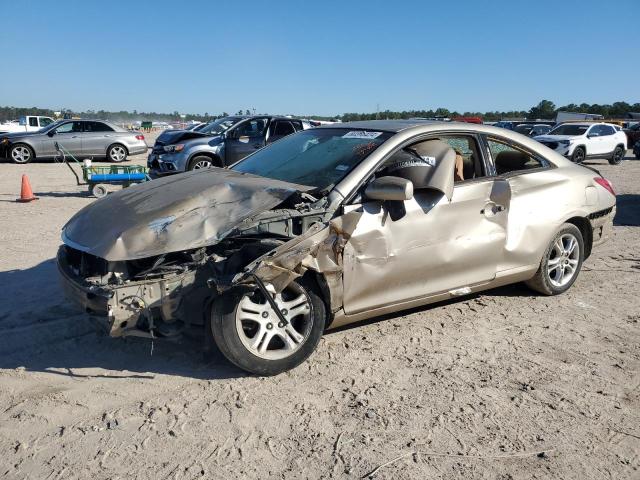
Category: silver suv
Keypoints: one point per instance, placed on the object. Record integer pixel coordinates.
(221, 143)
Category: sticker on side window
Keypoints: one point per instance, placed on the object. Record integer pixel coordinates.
(431, 161)
(362, 134)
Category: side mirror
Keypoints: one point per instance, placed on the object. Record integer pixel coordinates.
(51, 133)
(389, 188)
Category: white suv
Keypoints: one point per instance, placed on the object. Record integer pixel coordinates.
(579, 141)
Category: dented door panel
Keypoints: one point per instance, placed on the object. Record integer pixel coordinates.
(403, 251)
(539, 206)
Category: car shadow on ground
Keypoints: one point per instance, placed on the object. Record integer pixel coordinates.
(41, 331)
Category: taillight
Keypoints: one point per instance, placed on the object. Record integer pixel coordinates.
(603, 182)
(139, 137)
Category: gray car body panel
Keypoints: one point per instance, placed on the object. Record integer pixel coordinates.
(80, 144)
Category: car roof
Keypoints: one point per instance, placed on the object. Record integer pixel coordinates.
(386, 125)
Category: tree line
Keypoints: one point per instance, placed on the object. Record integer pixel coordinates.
(546, 109)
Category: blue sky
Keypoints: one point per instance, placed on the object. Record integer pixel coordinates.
(322, 57)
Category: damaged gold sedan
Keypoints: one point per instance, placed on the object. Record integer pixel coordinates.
(330, 226)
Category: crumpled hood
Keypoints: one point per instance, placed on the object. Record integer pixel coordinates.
(181, 212)
(171, 137)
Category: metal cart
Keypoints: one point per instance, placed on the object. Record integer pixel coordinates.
(98, 177)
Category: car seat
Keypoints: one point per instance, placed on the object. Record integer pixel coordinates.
(510, 160)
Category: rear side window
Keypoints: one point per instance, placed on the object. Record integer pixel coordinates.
(607, 130)
(283, 128)
(508, 158)
(97, 127)
(33, 121)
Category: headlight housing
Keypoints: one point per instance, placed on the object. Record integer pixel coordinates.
(564, 142)
(174, 148)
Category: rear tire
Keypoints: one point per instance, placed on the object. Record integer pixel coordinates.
(561, 262)
(21, 153)
(242, 321)
(617, 156)
(579, 155)
(117, 153)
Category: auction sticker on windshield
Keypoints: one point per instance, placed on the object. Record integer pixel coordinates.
(361, 134)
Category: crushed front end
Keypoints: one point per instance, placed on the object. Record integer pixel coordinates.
(136, 297)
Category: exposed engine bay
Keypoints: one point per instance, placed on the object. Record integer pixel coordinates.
(161, 294)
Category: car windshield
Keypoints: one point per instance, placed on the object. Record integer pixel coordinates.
(219, 126)
(568, 129)
(318, 157)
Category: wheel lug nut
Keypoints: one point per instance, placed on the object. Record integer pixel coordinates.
(284, 311)
(265, 314)
(280, 325)
(269, 326)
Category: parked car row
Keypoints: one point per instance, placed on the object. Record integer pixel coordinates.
(229, 139)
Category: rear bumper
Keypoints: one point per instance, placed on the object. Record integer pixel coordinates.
(602, 225)
(138, 149)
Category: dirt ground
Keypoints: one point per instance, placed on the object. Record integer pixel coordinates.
(502, 385)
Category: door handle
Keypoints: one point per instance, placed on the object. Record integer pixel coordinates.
(74, 136)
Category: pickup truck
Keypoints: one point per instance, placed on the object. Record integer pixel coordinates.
(29, 123)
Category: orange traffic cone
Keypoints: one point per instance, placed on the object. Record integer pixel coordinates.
(26, 194)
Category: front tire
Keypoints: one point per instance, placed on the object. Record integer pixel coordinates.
(561, 262)
(618, 155)
(117, 153)
(21, 153)
(248, 333)
(579, 155)
(200, 162)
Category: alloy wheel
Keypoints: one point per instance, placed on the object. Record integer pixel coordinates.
(578, 157)
(20, 154)
(118, 153)
(563, 260)
(202, 164)
(260, 329)
(618, 155)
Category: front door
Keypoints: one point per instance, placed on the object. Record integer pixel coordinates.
(68, 135)
(245, 138)
(402, 251)
(596, 144)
